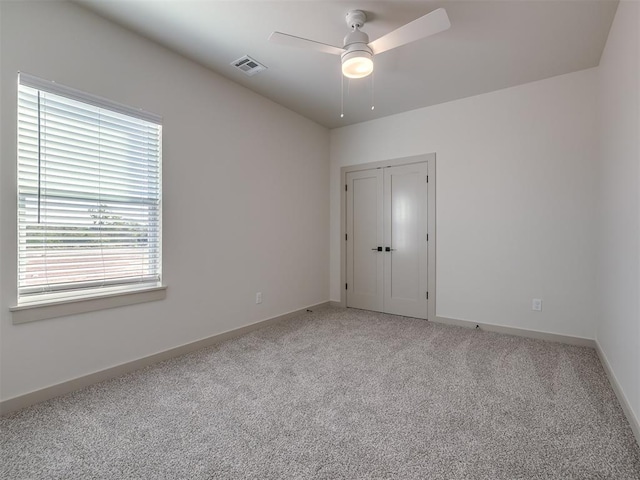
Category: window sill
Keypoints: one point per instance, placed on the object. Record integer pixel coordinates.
(32, 312)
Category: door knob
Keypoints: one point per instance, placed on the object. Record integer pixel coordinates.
(389, 249)
(378, 249)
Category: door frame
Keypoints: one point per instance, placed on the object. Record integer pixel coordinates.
(430, 159)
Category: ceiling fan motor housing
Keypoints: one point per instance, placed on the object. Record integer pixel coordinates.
(356, 37)
(356, 41)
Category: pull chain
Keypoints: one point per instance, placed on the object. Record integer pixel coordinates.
(348, 85)
(341, 96)
(372, 95)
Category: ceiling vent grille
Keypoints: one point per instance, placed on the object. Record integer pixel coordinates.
(248, 65)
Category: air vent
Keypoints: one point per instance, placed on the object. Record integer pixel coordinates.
(248, 65)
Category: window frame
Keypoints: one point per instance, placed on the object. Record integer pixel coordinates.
(56, 304)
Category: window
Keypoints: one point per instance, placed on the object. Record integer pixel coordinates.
(89, 194)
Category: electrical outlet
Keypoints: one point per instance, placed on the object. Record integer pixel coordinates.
(536, 304)
(259, 297)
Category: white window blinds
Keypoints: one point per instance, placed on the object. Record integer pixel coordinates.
(89, 193)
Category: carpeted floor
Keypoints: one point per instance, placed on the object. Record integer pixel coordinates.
(338, 394)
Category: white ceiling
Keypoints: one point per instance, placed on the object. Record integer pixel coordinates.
(491, 45)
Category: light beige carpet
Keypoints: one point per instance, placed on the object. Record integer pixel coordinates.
(338, 394)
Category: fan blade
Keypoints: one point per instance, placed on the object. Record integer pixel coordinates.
(429, 24)
(293, 41)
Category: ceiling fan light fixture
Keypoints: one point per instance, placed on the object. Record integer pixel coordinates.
(358, 64)
(357, 52)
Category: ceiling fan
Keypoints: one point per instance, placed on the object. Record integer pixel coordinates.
(357, 53)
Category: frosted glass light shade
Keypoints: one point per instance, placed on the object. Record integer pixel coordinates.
(357, 65)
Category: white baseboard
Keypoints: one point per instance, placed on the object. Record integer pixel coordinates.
(47, 393)
(617, 388)
(519, 332)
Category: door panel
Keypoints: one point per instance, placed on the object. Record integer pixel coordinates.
(364, 235)
(387, 207)
(405, 231)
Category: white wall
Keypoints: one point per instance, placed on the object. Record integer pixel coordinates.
(245, 197)
(618, 331)
(516, 196)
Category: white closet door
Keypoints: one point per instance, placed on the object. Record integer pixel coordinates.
(405, 234)
(364, 236)
(387, 264)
